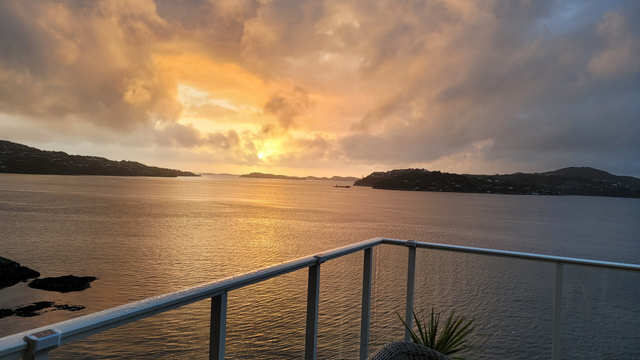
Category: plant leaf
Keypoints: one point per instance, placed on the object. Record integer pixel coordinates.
(448, 340)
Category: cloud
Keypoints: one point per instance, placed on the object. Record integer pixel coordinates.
(224, 141)
(530, 96)
(212, 111)
(287, 107)
(620, 53)
(65, 60)
(309, 152)
(510, 85)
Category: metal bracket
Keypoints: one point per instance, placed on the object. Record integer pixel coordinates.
(411, 243)
(43, 340)
(320, 258)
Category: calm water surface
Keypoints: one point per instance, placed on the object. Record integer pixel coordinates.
(147, 236)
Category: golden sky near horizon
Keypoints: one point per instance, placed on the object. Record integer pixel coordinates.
(326, 87)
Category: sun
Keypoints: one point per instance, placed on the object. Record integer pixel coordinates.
(270, 148)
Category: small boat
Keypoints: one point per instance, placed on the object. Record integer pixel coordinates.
(343, 186)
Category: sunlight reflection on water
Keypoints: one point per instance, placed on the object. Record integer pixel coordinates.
(147, 236)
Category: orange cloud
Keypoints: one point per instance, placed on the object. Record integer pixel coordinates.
(222, 80)
(323, 84)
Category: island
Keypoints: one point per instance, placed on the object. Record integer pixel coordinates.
(220, 174)
(259, 175)
(566, 181)
(333, 178)
(21, 159)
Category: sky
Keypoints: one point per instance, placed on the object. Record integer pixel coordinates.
(326, 87)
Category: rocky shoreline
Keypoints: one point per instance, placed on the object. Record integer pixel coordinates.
(12, 273)
(37, 308)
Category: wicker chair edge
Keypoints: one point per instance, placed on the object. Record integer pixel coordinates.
(401, 350)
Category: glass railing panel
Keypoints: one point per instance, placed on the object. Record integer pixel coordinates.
(267, 320)
(182, 333)
(340, 307)
(601, 314)
(388, 294)
(511, 301)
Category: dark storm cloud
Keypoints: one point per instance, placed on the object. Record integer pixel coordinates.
(521, 91)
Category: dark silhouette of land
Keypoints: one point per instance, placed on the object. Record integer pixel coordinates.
(21, 159)
(63, 284)
(11, 273)
(259, 175)
(37, 308)
(566, 181)
(333, 178)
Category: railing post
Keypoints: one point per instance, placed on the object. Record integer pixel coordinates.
(313, 298)
(41, 343)
(218, 329)
(411, 281)
(557, 314)
(366, 304)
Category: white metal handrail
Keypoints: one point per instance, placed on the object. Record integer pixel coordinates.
(36, 343)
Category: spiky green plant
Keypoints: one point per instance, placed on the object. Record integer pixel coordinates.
(452, 336)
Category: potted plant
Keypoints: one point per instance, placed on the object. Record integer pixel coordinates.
(449, 339)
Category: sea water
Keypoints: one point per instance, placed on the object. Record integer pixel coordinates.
(148, 236)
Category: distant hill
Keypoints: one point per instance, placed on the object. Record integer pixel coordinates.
(270, 176)
(595, 174)
(21, 159)
(333, 178)
(285, 177)
(220, 174)
(567, 181)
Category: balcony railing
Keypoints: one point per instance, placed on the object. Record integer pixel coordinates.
(37, 343)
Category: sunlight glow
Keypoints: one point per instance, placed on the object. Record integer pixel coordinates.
(190, 96)
(269, 148)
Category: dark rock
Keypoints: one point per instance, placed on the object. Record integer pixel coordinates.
(37, 308)
(5, 313)
(32, 309)
(12, 273)
(67, 283)
(69, 307)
